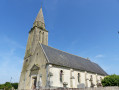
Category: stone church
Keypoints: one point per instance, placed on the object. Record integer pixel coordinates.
(47, 67)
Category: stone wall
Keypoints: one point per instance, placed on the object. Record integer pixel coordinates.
(39, 59)
(73, 83)
(99, 88)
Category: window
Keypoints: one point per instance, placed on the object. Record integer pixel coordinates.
(78, 77)
(40, 36)
(61, 76)
(26, 60)
(91, 78)
(43, 37)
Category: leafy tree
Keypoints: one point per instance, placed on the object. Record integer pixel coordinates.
(15, 85)
(8, 85)
(2, 86)
(111, 80)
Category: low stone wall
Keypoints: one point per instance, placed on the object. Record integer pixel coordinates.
(99, 88)
(102, 88)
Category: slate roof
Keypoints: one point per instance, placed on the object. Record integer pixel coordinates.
(58, 57)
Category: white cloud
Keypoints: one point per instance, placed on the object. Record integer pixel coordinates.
(99, 56)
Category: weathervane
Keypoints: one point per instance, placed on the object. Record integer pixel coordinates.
(41, 3)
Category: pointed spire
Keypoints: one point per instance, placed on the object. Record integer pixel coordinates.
(39, 21)
(40, 17)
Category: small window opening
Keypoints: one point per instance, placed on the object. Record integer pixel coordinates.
(26, 60)
(91, 78)
(40, 36)
(61, 76)
(78, 77)
(43, 37)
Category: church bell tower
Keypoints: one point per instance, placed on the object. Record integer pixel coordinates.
(38, 33)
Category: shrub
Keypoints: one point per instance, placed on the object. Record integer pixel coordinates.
(8, 86)
(111, 80)
(2, 86)
(15, 85)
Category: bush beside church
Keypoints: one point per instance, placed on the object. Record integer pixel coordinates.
(111, 80)
(8, 86)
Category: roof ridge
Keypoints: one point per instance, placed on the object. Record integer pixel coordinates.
(67, 52)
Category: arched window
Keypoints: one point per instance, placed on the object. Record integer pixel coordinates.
(43, 37)
(40, 36)
(61, 75)
(78, 77)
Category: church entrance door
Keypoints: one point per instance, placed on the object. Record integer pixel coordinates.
(34, 82)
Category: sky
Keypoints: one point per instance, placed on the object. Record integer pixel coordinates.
(87, 28)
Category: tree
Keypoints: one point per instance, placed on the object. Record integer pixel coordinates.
(111, 80)
(15, 85)
(2, 86)
(8, 85)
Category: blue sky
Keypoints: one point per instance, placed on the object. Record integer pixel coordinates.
(87, 28)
